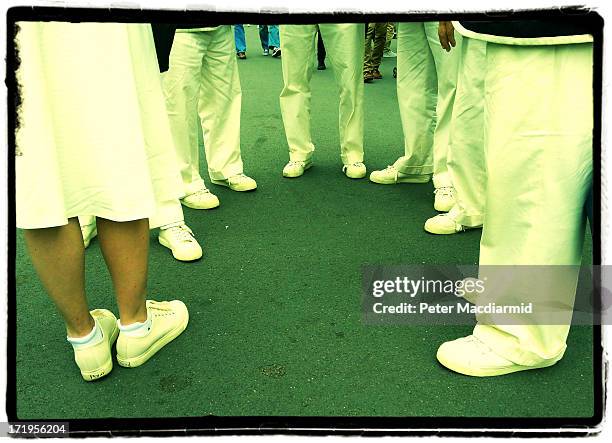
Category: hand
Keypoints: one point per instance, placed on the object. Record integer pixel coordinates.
(446, 33)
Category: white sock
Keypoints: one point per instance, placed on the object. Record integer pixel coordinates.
(136, 329)
(93, 337)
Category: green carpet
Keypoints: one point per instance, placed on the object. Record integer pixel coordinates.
(275, 303)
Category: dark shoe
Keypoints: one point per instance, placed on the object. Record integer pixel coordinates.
(322, 66)
(376, 75)
(276, 52)
(368, 77)
(241, 55)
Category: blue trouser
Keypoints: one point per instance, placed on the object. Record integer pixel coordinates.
(268, 34)
(239, 38)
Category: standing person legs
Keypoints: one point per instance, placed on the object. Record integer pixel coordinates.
(181, 85)
(219, 107)
(466, 162)
(367, 54)
(538, 103)
(377, 50)
(345, 49)
(240, 41)
(417, 90)
(387, 52)
(297, 45)
(263, 38)
(273, 37)
(447, 69)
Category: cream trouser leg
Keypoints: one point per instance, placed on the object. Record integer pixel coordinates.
(219, 106)
(344, 44)
(426, 80)
(166, 212)
(216, 98)
(465, 161)
(538, 140)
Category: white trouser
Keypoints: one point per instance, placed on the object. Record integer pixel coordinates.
(426, 80)
(538, 141)
(203, 80)
(344, 46)
(466, 159)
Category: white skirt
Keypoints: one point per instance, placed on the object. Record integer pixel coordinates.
(93, 136)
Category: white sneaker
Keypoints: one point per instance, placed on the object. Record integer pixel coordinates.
(202, 199)
(470, 356)
(354, 170)
(296, 168)
(445, 224)
(389, 54)
(391, 176)
(89, 232)
(168, 320)
(95, 360)
(238, 182)
(444, 198)
(180, 240)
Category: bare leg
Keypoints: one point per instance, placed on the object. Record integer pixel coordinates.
(58, 257)
(125, 246)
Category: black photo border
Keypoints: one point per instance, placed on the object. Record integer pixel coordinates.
(298, 425)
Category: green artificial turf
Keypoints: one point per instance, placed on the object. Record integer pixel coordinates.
(275, 303)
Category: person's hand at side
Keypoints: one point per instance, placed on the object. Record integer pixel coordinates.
(446, 33)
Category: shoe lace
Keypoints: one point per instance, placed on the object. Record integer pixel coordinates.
(181, 233)
(201, 192)
(482, 347)
(356, 164)
(159, 309)
(295, 163)
(392, 170)
(446, 191)
(237, 178)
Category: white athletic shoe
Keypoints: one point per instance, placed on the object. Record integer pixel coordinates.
(238, 182)
(89, 232)
(444, 198)
(391, 176)
(95, 360)
(168, 320)
(180, 240)
(470, 356)
(202, 199)
(296, 168)
(354, 170)
(445, 224)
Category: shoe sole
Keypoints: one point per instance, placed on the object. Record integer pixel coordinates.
(489, 372)
(465, 228)
(307, 167)
(134, 362)
(200, 207)
(429, 230)
(416, 180)
(443, 208)
(167, 245)
(223, 183)
(356, 177)
(107, 367)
